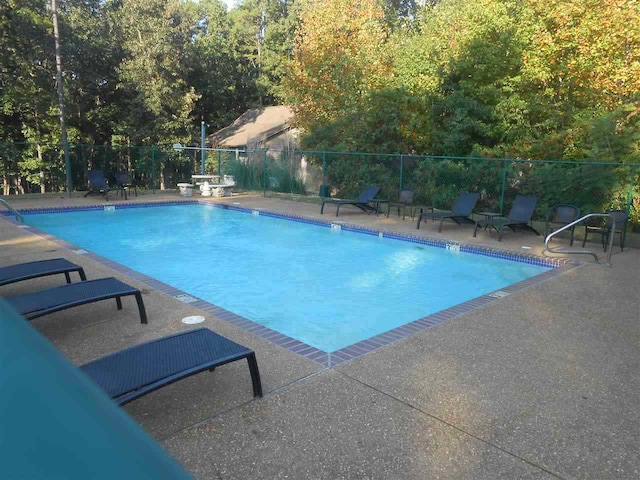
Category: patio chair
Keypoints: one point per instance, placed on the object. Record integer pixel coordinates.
(518, 219)
(99, 185)
(366, 201)
(44, 302)
(460, 212)
(40, 268)
(136, 371)
(604, 228)
(560, 215)
(123, 180)
(406, 199)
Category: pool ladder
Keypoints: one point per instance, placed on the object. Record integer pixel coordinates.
(18, 215)
(547, 248)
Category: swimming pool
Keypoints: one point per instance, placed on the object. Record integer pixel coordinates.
(324, 287)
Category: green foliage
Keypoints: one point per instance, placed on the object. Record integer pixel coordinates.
(250, 174)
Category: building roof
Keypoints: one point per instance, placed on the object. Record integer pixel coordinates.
(255, 124)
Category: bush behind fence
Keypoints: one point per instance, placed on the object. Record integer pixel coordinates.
(437, 181)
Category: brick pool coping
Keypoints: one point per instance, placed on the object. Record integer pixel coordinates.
(328, 359)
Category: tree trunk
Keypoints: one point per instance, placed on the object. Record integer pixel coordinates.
(40, 162)
(63, 125)
(18, 186)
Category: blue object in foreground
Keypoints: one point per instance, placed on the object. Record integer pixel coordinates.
(57, 424)
(327, 288)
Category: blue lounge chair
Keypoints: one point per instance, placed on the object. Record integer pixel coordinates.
(460, 212)
(40, 268)
(144, 368)
(518, 219)
(99, 185)
(44, 302)
(366, 201)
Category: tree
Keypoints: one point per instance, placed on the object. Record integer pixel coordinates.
(156, 36)
(340, 55)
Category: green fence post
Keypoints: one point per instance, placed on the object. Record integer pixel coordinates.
(153, 169)
(323, 189)
(220, 166)
(401, 169)
(265, 172)
(504, 186)
(629, 203)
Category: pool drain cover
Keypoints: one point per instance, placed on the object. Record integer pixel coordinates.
(192, 320)
(186, 298)
(499, 294)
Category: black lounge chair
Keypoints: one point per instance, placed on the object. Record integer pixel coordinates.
(40, 268)
(99, 185)
(560, 215)
(136, 371)
(460, 212)
(366, 201)
(123, 180)
(44, 302)
(518, 219)
(603, 227)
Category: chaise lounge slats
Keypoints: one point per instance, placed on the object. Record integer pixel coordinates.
(43, 302)
(136, 371)
(363, 202)
(40, 268)
(519, 217)
(460, 212)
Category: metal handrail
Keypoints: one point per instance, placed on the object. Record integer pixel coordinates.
(18, 215)
(583, 252)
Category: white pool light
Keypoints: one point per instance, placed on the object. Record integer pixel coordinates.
(193, 320)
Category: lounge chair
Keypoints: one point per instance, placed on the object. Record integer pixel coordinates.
(518, 219)
(99, 185)
(366, 201)
(123, 180)
(603, 227)
(136, 371)
(460, 212)
(44, 302)
(40, 268)
(560, 215)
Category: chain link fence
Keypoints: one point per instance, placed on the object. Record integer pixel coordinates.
(437, 181)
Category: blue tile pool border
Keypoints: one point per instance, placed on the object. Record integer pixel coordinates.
(328, 359)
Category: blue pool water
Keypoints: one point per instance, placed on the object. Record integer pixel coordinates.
(326, 288)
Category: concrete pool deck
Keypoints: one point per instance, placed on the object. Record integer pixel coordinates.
(543, 383)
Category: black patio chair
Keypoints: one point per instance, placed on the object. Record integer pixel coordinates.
(99, 185)
(124, 181)
(144, 368)
(603, 227)
(518, 219)
(560, 215)
(44, 302)
(460, 212)
(40, 268)
(405, 199)
(366, 201)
